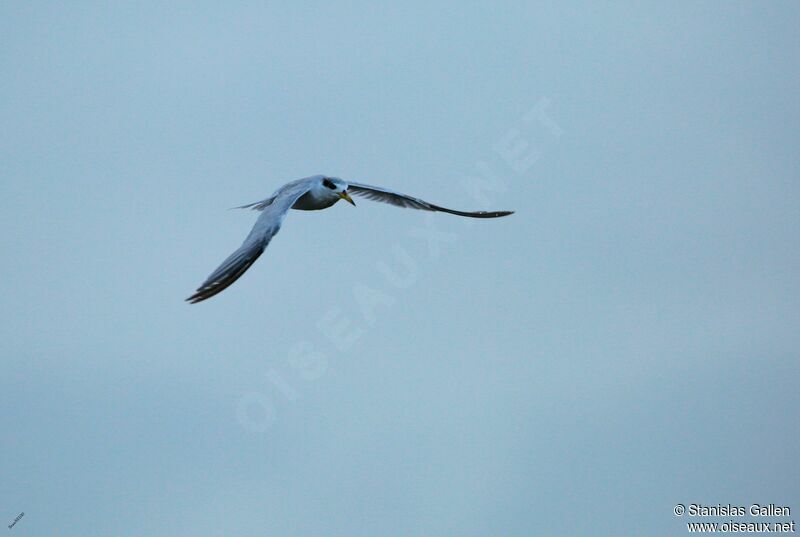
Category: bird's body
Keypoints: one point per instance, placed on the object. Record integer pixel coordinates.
(308, 194)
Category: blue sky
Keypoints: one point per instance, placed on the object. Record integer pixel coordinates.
(627, 341)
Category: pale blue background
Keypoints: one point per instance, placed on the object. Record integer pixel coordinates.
(627, 341)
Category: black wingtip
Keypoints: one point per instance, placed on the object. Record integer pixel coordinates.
(474, 214)
(215, 286)
(195, 298)
(491, 214)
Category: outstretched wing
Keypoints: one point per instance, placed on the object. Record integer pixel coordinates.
(266, 227)
(384, 195)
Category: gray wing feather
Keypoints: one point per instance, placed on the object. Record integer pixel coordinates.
(266, 227)
(384, 195)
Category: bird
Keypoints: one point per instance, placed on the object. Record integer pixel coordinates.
(307, 194)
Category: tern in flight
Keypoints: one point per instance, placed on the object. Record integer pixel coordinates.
(308, 194)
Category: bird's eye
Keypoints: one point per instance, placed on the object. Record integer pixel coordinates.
(328, 184)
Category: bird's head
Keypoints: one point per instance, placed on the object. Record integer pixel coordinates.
(336, 187)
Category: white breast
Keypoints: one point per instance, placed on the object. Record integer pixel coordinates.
(316, 199)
